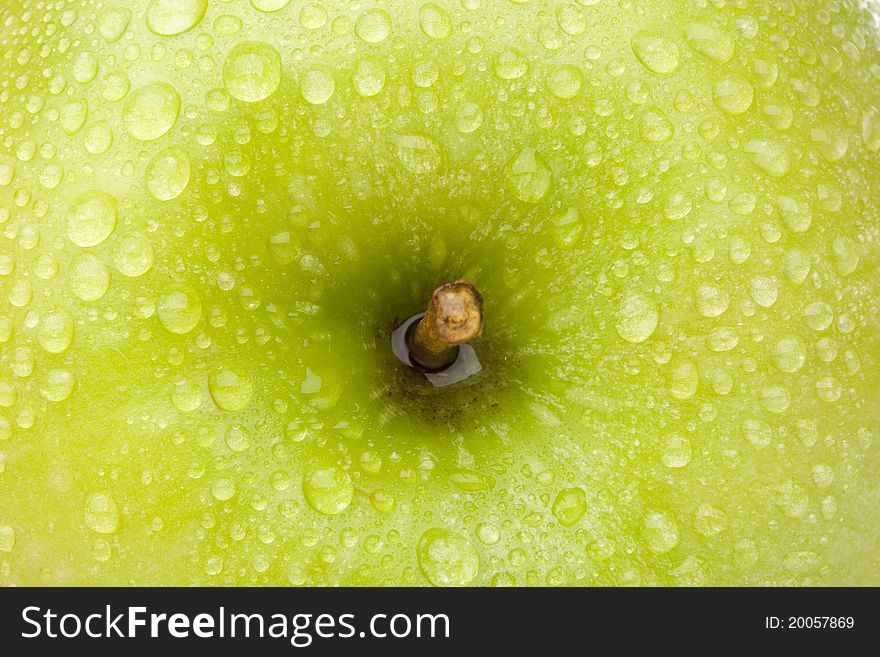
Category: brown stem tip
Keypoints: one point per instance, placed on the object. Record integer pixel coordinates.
(454, 316)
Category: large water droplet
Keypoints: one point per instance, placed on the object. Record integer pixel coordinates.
(56, 331)
(510, 64)
(565, 81)
(269, 6)
(769, 156)
(56, 385)
(151, 111)
(708, 40)
(252, 71)
(637, 318)
(733, 94)
(168, 174)
(419, 153)
(368, 77)
(660, 532)
(656, 53)
(434, 21)
(528, 176)
(133, 255)
(570, 505)
(655, 126)
(789, 354)
(7, 538)
(89, 278)
(328, 490)
(447, 558)
(317, 86)
(711, 300)
(231, 388)
(101, 513)
(676, 451)
(91, 218)
(171, 17)
(179, 308)
(373, 26)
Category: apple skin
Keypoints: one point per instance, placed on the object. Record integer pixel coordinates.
(213, 214)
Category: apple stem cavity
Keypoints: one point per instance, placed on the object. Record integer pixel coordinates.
(454, 317)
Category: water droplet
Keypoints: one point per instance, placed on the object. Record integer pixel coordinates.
(733, 94)
(7, 539)
(114, 86)
(829, 389)
(91, 218)
(369, 77)
(73, 116)
(89, 278)
(231, 388)
(223, 489)
(757, 432)
(528, 176)
(871, 129)
(792, 498)
(660, 532)
(373, 26)
(133, 255)
(238, 438)
(763, 290)
(179, 308)
(709, 520)
(472, 481)
(789, 354)
(56, 385)
(778, 113)
(447, 558)
(510, 64)
(317, 86)
(172, 17)
(831, 141)
(637, 318)
(313, 16)
(167, 174)
(268, 6)
(328, 490)
(818, 315)
(565, 81)
(85, 67)
(684, 380)
(655, 126)
(56, 331)
(468, 118)
(656, 53)
(434, 21)
(186, 394)
(570, 505)
(768, 156)
(252, 71)
(571, 19)
(710, 41)
(711, 300)
(775, 399)
(676, 451)
(151, 111)
(419, 153)
(797, 266)
(797, 215)
(101, 514)
(98, 138)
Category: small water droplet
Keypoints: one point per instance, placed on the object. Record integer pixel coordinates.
(565, 81)
(56, 331)
(676, 451)
(770, 157)
(419, 154)
(733, 94)
(373, 26)
(709, 41)
(660, 532)
(711, 300)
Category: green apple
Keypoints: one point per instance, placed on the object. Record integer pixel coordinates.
(215, 213)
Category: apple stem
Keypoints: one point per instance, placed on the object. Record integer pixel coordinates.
(454, 316)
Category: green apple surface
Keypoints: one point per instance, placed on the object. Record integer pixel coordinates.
(213, 215)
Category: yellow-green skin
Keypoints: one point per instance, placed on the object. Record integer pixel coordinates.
(671, 209)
